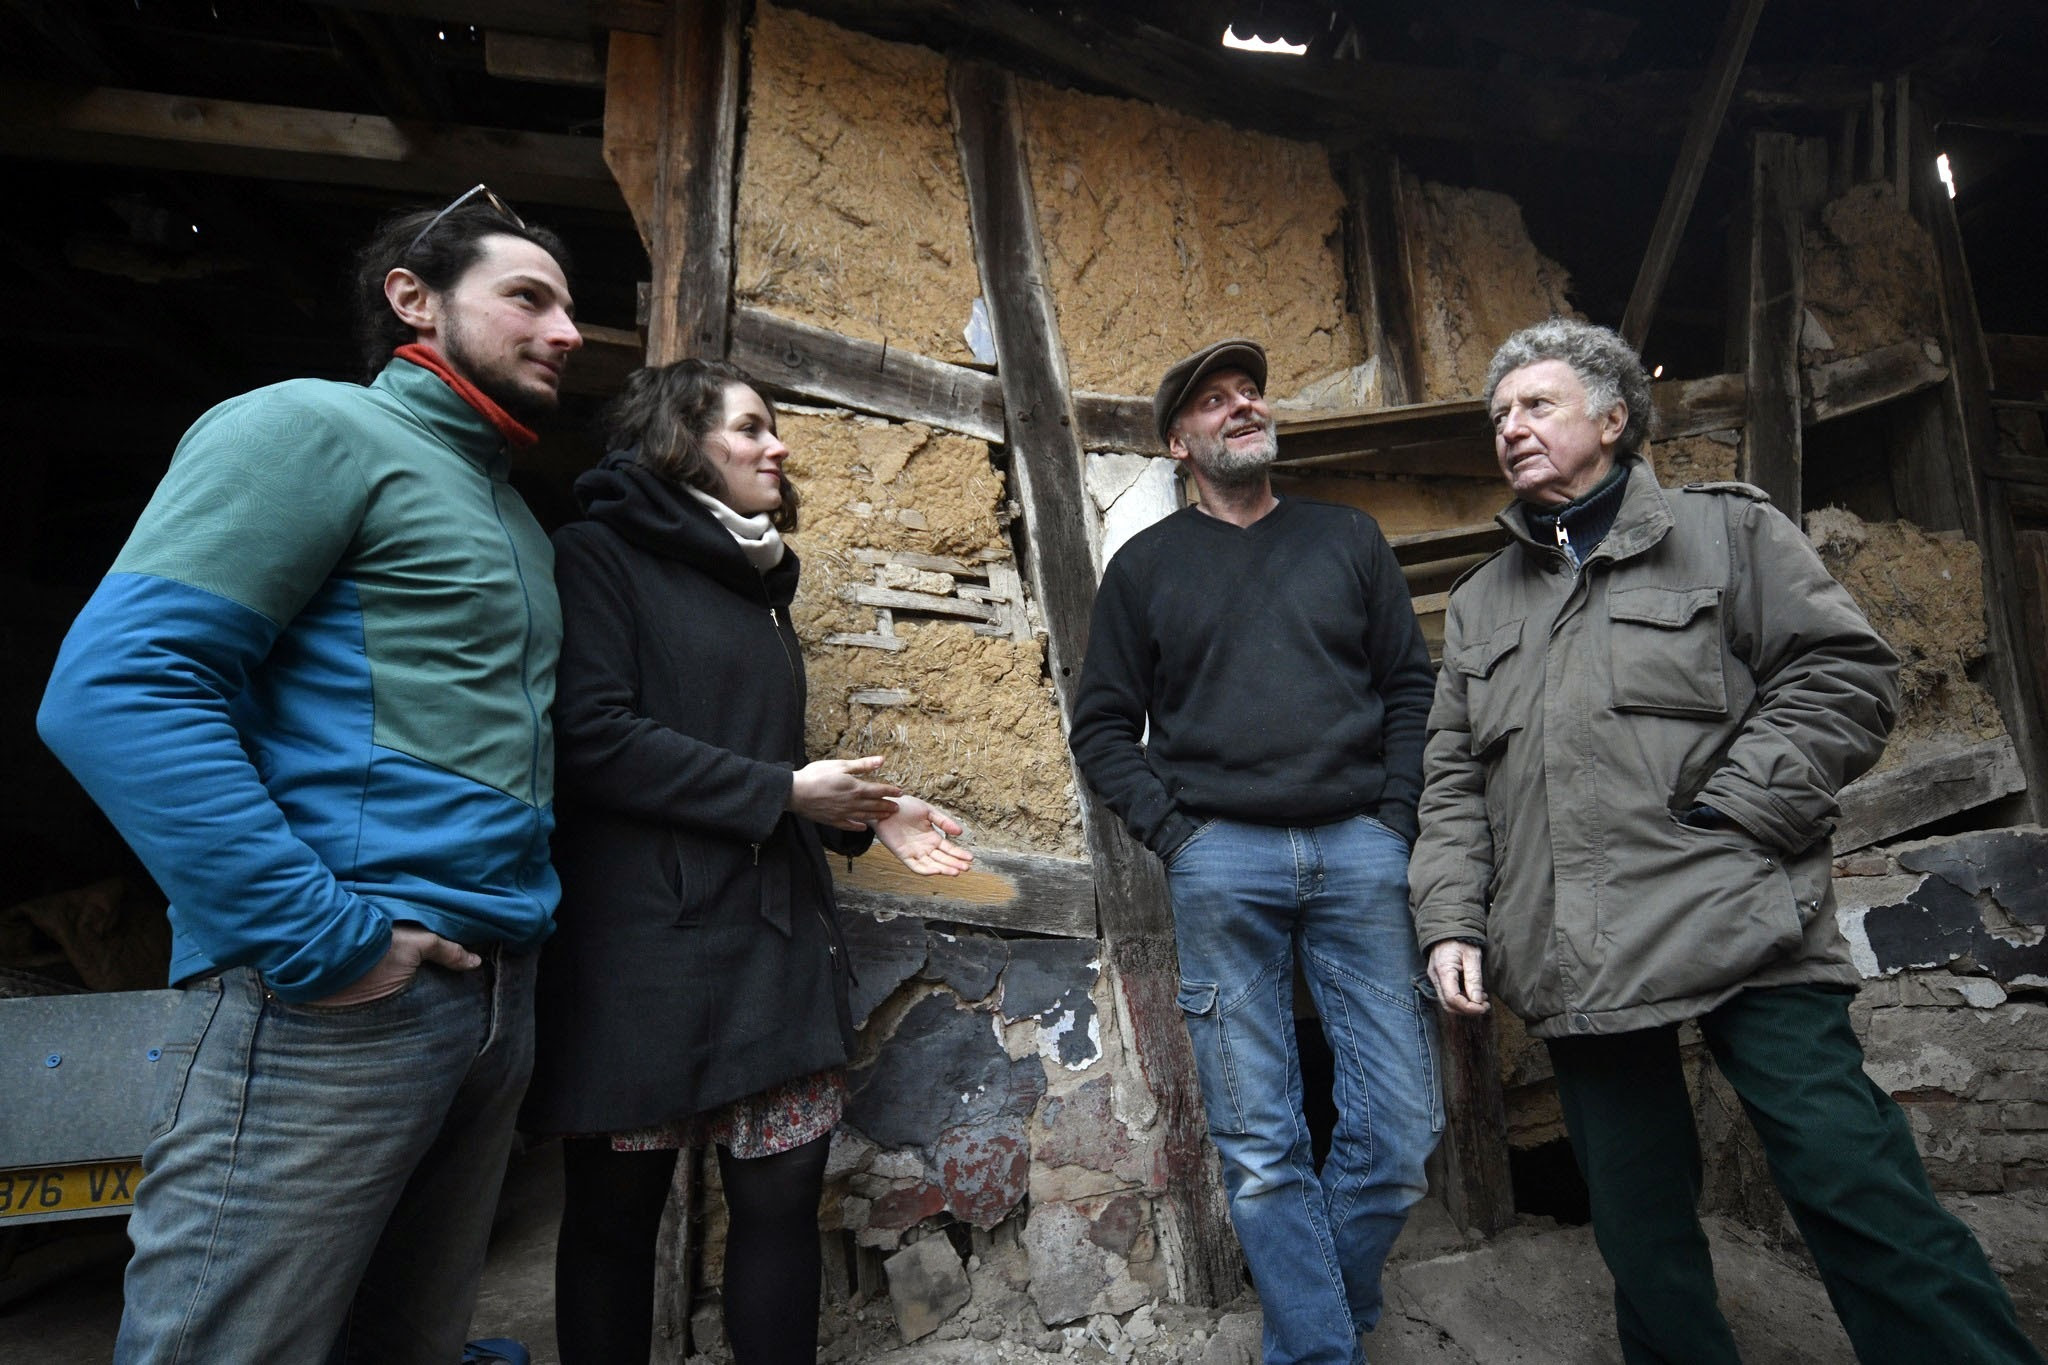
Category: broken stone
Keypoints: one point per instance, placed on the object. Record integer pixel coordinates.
(885, 954)
(2010, 864)
(968, 964)
(1071, 1275)
(944, 1068)
(906, 1207)
(927, 1284)
(985, 1170)
(1045, 976)
(1081, 1129)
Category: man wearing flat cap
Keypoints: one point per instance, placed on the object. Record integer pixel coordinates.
(1253, 706)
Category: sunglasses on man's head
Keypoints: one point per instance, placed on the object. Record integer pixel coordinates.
(498, 206)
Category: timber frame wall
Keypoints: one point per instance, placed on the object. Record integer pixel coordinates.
(673, 105)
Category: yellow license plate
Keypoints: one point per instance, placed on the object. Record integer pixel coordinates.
(44, 1190)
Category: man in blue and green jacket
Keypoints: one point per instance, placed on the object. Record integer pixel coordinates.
(312, 693)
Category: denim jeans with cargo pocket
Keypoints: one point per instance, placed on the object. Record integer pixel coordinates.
(320, 1182)
(1248, 902)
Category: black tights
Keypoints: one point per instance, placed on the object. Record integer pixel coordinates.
(604, 1257)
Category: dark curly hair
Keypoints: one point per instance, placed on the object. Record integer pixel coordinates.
(664, 414)
(440, 259)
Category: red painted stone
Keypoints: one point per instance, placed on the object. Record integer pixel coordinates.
(906, 1206)
(985, 1171)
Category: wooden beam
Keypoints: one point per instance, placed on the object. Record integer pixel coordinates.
(1027, 892)
(820, 366)
(1863, 381)
(275, 142)
(557, 18)
(1709, 112)
(632, 123)
(544, 61)
(1376, 261)
(696, 169)
(2019, 364)
(1931, 784)
(1689, 407)
(1787, 176)
(1478, 1190)
(1957, 475)
(1046, 472)
(1360, 101)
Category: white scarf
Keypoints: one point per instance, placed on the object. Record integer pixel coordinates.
(759, 541)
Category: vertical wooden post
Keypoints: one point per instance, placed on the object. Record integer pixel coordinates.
(1378, 266)
(1787, 177)
(695, 172)
(1953, 469)
(1046, 471)
(1709, 110)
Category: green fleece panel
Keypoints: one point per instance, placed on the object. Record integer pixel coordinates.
(401, 491)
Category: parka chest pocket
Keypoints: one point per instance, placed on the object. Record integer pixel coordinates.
(1666, 650)
(1498, 693)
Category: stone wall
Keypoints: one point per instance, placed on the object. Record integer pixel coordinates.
(1950, 934)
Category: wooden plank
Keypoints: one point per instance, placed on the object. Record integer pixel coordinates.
(1709, 112)
(1972, 431)
(1109, 421)
(1787, 174)
(632, 122)
(1928, 786)
(1431, 546)
(1478, 1190)
(1376, 261)
(695, 174)
(557, 18)
(1401, 506)
(1691, 407)
(1030, 892)
(895, 599)
(1863, 381)
(544, 61)
(817, 365)
(1046, 474)
(607, 356)
(276, 142)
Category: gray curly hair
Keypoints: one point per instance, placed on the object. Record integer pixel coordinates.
(1605, 364)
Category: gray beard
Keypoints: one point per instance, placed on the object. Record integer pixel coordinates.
(1227, 468)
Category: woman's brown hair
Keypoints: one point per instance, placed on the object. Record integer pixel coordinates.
(665, 414)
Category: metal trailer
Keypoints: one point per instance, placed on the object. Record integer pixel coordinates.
(77, 1073)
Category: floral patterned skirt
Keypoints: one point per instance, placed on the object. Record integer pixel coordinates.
(774, 1120)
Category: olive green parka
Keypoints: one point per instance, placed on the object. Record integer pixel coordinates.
(1701, 655)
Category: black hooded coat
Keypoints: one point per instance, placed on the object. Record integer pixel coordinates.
(697, 957)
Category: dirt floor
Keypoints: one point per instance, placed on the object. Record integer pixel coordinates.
(1536, 1295)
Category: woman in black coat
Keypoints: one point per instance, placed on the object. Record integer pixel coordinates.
(696, 986)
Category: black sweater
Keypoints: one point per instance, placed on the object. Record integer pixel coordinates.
(1279, 666)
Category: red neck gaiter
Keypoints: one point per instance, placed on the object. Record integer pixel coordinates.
(511, 428)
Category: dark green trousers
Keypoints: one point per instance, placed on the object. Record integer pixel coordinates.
(1906, 1277)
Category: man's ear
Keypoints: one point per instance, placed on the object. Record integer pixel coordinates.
(1176, 448)
(417, 306)
(1613, 424)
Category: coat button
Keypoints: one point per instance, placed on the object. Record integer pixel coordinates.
(1581, 1024)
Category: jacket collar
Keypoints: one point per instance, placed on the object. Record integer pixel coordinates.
(1644, 518)
(648, 511)
(445, 413)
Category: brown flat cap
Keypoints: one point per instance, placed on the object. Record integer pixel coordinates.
(1233, 353)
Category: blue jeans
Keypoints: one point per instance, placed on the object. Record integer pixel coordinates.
(1246, 900)
(320, 1183)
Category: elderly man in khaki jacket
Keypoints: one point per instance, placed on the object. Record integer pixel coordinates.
(1648, 702)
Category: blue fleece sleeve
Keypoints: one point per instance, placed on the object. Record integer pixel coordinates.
(138, 709)
(259, 504)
